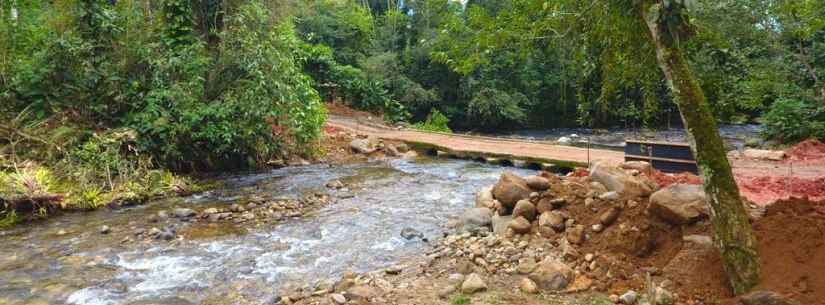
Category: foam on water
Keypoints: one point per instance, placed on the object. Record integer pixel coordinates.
(360, 233)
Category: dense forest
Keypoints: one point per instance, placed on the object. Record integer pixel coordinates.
(110, 89)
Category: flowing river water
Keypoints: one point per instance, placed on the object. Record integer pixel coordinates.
(359, 231)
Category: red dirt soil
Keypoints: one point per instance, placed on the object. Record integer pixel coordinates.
(809, 150)
(791, 249)
(766, 187)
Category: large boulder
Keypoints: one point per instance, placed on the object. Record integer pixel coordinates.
(537, 183)
(476, 220)
(552, 275)
(524, 208)
(484, 198)
(510, 189)
(617, 180)
(362, 146)
(679, 204)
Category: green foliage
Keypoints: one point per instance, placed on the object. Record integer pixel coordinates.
(196, 101)
(436, 121)
(497, 108)
(460, 300)
(795, 120)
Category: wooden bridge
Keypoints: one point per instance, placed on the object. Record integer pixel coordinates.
(522, 153)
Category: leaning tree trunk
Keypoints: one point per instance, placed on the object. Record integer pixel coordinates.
(730, 219)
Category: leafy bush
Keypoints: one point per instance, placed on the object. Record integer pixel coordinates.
(794, 120)
(436, 121)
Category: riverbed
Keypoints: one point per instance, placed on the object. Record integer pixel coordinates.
(66, 260)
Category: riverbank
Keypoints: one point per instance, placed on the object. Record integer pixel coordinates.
(573, 240)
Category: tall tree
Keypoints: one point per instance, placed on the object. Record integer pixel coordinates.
(668, 24)
(626, 34)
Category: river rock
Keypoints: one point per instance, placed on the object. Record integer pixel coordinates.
(338, 298)
(526, 265)
(609, 196)
(183, 212)
(104, 229)
(528, 286)
(616, 179)
(537, 183)
(629, 298)
(762, 297)
(447, 291)
(552, 220)
(679, 204)
(335, 184)
(360, 293)
(403, 148)
(510, 189)
(576, 235)
(609, 217)
(409, 155)
(520, 225)
(361, 146)
(210, 211)
(551, 275)
(524, 208)
(410, 233)
(500, 224)
(544, 205)
(762, 154)
(474, 283)
(391, 150)
(484, 198)
(476, 220)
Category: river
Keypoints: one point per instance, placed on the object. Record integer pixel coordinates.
(359, 232)
(735, 136)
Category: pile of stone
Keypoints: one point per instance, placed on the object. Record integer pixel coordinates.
(352, 288)
(527, 226)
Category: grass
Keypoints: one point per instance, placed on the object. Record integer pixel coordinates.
(460, 300)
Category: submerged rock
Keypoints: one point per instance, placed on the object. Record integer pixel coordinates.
(183, 212)
(410, 234)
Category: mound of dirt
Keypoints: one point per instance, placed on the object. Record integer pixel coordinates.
(791, 249)
(791, 237)
(809, 150)
(767, 189)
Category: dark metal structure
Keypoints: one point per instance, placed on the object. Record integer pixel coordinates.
(663, 156)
